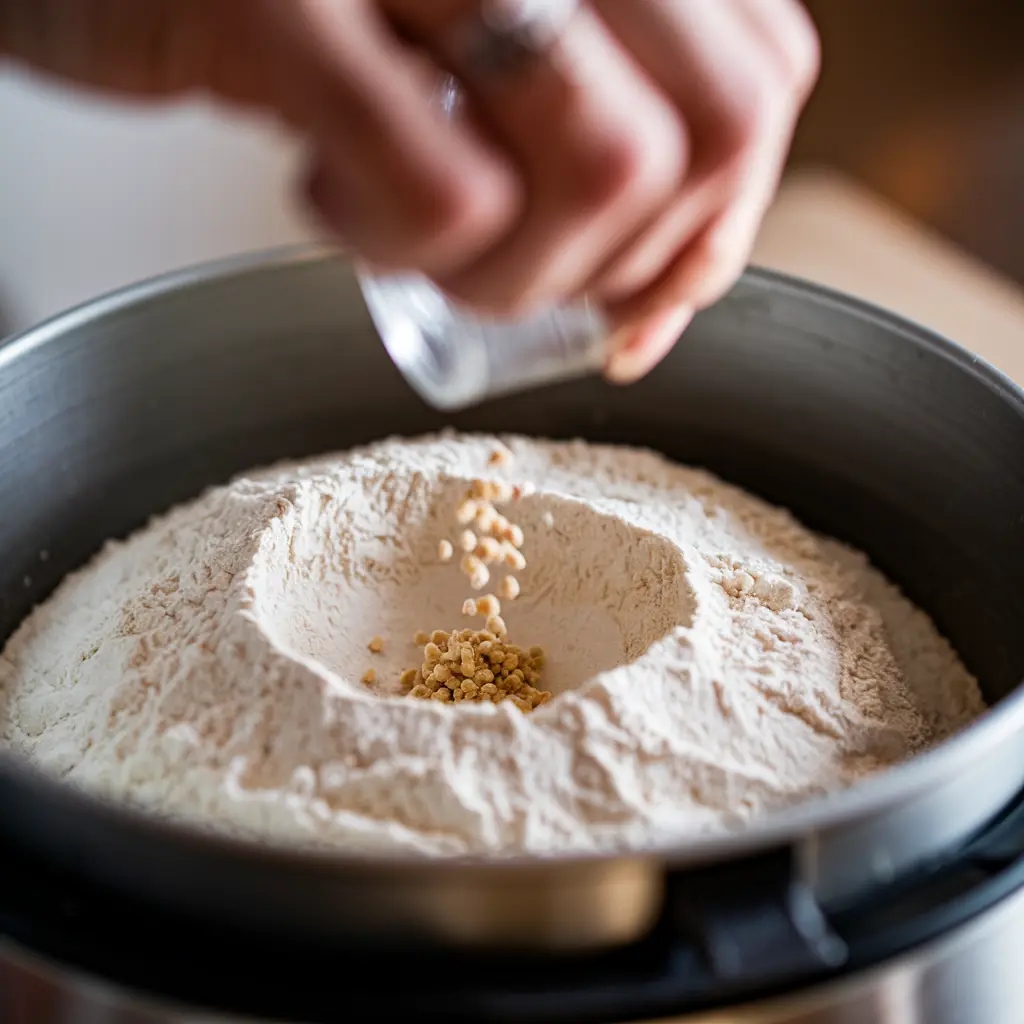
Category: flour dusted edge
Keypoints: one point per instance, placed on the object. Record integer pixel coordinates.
(711, 659)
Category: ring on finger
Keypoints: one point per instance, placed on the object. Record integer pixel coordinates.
(503, 38)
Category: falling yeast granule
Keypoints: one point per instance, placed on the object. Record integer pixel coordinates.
(710, 659)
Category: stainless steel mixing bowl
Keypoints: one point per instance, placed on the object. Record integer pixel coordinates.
(868, 427)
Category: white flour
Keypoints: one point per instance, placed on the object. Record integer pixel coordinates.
(712, 660)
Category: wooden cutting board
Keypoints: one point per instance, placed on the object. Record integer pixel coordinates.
(825, 228)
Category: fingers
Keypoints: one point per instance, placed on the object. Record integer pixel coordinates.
(789, 38)
(742, 73)
(399, 183)
(700, 275)
(712, 263)
(637, 350)
(598, 148)
(725, 77)
(157, 49)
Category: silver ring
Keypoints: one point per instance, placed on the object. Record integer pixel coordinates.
(506, 37)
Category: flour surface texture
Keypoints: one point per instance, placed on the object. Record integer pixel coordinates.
(711, 659)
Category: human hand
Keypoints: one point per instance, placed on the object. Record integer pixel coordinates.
(631, 161)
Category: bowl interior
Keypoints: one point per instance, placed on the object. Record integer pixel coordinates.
(867, 428)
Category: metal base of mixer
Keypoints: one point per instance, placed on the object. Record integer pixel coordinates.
(941, 947)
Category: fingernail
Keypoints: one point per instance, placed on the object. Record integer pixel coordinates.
(634, 352)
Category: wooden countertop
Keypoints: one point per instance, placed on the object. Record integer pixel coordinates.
(825, 228)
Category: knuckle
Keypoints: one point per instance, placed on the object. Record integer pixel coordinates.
(463, 210)
(451, 218)
(665, 160)
(633, 167)
(743, 118)
(609, 170)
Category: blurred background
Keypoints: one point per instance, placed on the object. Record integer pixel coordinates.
(922, 101)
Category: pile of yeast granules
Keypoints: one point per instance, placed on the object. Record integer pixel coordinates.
(710, 659)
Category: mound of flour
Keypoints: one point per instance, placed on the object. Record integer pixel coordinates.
(711, 659)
